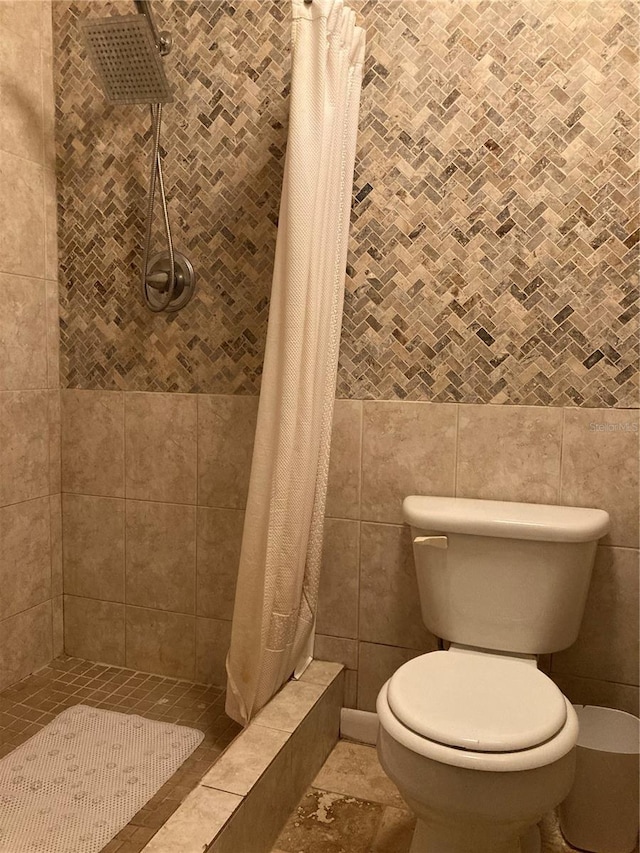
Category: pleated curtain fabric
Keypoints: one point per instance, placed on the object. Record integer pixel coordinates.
(277, 587)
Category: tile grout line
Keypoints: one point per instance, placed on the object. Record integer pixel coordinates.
(196, 532)
(124, 491)
(359, 514)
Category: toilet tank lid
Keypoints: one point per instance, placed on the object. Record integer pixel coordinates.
(505, 520)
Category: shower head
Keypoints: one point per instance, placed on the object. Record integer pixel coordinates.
(127, 60)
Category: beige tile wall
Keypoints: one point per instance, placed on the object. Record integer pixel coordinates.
(30, 510)
(369, 616)
(150, 561)
(153, 507)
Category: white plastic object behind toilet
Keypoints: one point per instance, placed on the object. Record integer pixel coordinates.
(601, 812)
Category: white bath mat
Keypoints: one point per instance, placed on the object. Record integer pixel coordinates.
(74, 785)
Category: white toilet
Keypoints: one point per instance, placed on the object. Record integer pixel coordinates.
(478, 740)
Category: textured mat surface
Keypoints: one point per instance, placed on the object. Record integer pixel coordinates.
(75, 784)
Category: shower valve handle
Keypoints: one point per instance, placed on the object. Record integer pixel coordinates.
(156, 280)
(159, 280)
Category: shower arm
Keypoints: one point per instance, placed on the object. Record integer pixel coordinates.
(162, 40)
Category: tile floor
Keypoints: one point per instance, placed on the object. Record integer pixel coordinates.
(352, 807)
(29, 705)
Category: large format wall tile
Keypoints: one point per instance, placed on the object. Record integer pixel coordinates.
(54, 414)
(160, 447)
(50, 221)
(46, 26)
(29, 415)
(592, 691)
(161, 642)
(55, 508)
(93, 442)
(407, 449)
(343, 488)
(350, 688)
(23, 342)
(509, 453)
(213, 637)
(377, 664)
(93, 547)
(57, 626)
(339, 579)
(389, 601)
(600, 467)
(94, 630)
(24, 448)
(30, 564)
(22, 129)
(53, 334)
(22, 19)
(22, 216)
(25, 560)
(219, 542)
(337, 649)
(25, 643)
(161, 555)
(48, 114)
(607, 645)
(226, 428)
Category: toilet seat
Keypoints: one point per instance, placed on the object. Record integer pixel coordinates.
(481, 702)
(500, 762)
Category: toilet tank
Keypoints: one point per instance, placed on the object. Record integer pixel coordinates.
(506, 576)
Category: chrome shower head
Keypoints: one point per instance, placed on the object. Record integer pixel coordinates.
(127, 60)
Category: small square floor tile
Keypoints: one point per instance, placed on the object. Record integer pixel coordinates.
(26, 707)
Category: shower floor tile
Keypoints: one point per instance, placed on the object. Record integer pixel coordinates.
(352, 807)
(27, 706)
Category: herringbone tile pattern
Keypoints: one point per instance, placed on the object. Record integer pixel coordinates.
(225, 146)
(495, 222)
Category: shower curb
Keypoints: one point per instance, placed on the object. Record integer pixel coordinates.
(245, 799)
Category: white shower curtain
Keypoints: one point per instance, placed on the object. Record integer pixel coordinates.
(278, 576)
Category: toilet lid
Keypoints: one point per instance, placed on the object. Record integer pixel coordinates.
(484, 703)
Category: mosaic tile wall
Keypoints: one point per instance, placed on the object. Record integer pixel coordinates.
(494, 229)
